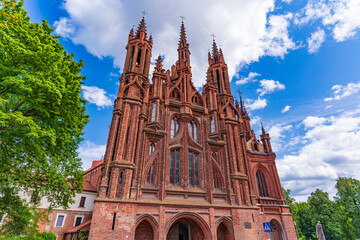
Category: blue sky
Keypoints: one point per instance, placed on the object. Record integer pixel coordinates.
(296, 62)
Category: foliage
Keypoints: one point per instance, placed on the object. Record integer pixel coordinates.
(340, 217)
(84, 235)
(41, 236)
(42, 117)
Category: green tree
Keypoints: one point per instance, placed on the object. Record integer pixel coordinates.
(324, 210)
(348, 203)
(42, 116)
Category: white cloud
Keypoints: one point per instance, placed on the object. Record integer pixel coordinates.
(254, 120)
(330, 151)
(269, 86)
(103, 27)
(287, 1)
(64, 27)
(285, 109)
(256, 104)
(96, 96)
(315, 40)
(250, 78)
(277, 133)
(341, 91)
(311, 121)
(341, 15)
(89, 151)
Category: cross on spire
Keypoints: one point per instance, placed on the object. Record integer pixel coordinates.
(182, 18)
(213, 35)
(144, 13)
(239, 92)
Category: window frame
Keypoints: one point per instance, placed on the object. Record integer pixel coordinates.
(193, 130)
(153, 112)
(82, 205)
(193, 161)
(57, 217)
(212, 124)
(174, 173)
(78, 216)
(175, 126)
(261, 184)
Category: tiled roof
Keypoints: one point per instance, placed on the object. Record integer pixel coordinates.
(88, 187)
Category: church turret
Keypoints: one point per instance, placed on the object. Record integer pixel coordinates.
(219, 70)
(265, 139)
(138, 51)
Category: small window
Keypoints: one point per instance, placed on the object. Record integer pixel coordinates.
(33, 198)
(60, 220)
(152, 148)
(153, 113)
(193, 169)
(193, 130)
(174, 167)
(82, 202)
(78, 220)
(138, 57)
(212, 122)
(174, 127)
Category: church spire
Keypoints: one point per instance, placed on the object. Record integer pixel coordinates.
(141, 30)
(183, 40)
(215, 52)
(183, 49)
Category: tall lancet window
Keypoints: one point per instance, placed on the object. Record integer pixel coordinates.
(174, 167)
(212, 122)
(174, 127)
(261, 184)
(153, 112)
(151, 174)
(193, 130)
(193, 169)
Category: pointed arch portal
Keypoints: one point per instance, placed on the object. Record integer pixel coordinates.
(185, 229)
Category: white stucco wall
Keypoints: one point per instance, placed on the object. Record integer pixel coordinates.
(88, 207)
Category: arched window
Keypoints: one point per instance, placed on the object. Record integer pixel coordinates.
(153, 112)
(261, 184)
(174, 127)
(212, 122)
(151, 148)
(151, 174)
(193, 130)
(193, 169)
(174, 167)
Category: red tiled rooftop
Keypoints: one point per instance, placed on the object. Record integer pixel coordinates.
(89, 187)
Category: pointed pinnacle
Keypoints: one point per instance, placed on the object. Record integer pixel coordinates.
(182, 34)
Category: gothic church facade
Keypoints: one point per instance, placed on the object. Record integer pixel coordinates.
(180, 164)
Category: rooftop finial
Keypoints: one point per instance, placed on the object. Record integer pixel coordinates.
(144, 13)
(239, 92)
(182, 18)
(213, 35)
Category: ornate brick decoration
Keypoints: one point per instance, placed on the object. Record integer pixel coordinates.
(180, 164)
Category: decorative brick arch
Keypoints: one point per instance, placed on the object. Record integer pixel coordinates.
(149, 219)
(282, 234)
(227, 222)
(201, 223)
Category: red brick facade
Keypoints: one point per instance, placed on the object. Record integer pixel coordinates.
(180, 164)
